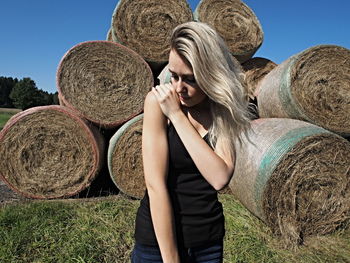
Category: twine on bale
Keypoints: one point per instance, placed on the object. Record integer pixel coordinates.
(255, 70)
(104, 81)
(125, 158)
(49, 152)
(235, 22)
(146, 26)
(295, 176)
(313, 85)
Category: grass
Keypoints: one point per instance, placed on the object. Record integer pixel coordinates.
(6, 114)
(101, 230)
(66, 232)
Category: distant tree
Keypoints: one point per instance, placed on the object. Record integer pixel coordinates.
(6, 86)
(46, 97)
(55, 98)
(25, 94)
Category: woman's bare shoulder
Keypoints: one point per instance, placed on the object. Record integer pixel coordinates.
(152, 109)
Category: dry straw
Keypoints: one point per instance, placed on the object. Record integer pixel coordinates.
(109, 36)
(125, 158)
(313, 85)
(49, 152)
(235, 22)
(145, 26)
(104, 81)
(295, 176)
(255, 70)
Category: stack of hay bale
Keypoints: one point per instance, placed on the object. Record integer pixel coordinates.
(294, 174)
(293, 170)
(59, 151)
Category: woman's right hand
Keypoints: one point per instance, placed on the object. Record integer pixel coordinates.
(168, 99)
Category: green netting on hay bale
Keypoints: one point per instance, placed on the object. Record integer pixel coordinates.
(164, 76)
(255, 69)
(104, 81)
(49, 152)
(295, 176)
(146, 25)
(313, 85)
(235, 22)
(125, 158)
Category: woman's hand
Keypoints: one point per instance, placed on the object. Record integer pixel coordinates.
(168, 99)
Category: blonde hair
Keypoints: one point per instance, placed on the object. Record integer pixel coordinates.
(220, 77)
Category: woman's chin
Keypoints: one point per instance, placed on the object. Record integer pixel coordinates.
(185, 102)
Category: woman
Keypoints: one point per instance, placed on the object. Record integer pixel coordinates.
(189, 130)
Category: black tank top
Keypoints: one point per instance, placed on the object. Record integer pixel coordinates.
(198, 213)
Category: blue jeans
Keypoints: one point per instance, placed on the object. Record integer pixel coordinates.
(212, 253)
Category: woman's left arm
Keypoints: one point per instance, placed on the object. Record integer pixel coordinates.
(215, 166)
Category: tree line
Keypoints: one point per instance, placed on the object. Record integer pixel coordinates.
(23, 94)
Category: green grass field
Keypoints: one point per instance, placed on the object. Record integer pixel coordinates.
(5, 115)
(101, 230)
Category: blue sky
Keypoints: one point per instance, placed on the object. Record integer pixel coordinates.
(35, 34)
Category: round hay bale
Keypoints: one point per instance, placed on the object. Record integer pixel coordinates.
(313, 85)
(165, 75)
(104, 81)
(49, 152)
(125, 158)
(295, 176)
(235, 22)
(109, 36)
(60, 101)
(255, 70)
(146, 25)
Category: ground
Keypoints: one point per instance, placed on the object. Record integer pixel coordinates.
(7, 195)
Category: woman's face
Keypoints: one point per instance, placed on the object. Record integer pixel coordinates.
(183, 81)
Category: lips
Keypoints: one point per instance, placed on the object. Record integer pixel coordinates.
(183, 97)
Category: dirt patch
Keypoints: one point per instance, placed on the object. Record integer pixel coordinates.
(7, 195)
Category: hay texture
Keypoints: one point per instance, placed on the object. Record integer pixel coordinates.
(295, 176)
(146, 25)
(125, 158)
(104, 81)
(109, 36)
(255, 69)
(235, 22)
(49, 152)
(313, 85)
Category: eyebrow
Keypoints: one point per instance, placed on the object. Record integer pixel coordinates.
(183, 75)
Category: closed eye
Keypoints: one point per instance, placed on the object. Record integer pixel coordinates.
(189, 79)
(174, 76)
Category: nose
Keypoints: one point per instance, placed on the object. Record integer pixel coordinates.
(179, 85)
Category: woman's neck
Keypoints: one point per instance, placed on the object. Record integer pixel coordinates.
(199, 115)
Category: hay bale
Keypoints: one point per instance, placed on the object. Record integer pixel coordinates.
(104, 81)
(165, 76)
(146, 25)
(295, 176)
(125, 158)
(255, 70)
(49, 152)
(313, 85)
(109, 36)
(235, 22)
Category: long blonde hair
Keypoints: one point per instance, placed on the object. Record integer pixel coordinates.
(220, 77)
